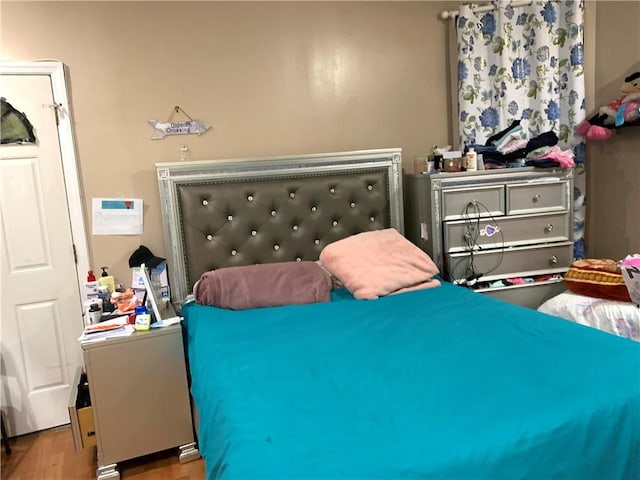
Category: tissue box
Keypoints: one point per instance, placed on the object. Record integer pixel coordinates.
(630, 268)
(159, 280)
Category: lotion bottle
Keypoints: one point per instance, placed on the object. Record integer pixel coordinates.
(91, 286)
(471, 160)
(143, 318)
(107, 280)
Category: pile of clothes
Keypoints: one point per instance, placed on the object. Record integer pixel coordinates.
(510, 148)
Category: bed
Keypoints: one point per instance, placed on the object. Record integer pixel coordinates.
(432, 383)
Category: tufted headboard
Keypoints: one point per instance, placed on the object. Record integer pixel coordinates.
(224, 213)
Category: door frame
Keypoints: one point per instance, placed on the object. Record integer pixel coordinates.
(57, 72)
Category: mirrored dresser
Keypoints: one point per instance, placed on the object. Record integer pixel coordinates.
(506, 233)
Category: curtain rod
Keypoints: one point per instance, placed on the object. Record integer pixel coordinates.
(484, 8)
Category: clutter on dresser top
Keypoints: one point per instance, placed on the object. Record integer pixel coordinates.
(509, 148)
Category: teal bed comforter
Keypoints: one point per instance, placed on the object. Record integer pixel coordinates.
(442, 383)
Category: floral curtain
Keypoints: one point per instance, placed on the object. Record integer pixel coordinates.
(524, 63)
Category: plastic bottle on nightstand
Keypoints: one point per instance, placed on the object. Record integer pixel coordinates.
(91, 286)
(143, 318)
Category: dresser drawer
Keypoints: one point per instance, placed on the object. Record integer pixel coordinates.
(537, 197)
(512, 262)
(517, 230)
(486, 201)
(531, 295)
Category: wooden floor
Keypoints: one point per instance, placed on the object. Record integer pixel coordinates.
(50, 455)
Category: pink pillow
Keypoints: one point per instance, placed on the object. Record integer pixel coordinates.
(379, 262)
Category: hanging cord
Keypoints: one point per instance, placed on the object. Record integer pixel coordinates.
(472, 216)
(472, 224)
(178, 109)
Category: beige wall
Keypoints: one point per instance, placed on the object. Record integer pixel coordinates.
(613, 166)
(285, 78)
(270, 78)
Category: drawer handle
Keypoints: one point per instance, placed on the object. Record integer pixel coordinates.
(535, 198)
(553, 259)
(548, 228)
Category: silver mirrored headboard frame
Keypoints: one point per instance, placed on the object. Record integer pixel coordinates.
(174, 174)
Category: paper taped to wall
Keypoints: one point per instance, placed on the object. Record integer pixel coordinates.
(117, 216)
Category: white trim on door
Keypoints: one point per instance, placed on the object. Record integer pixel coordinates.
(57, 71)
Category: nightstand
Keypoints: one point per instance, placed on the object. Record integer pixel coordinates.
(139, 397)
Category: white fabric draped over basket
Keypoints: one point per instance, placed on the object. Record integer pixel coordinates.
(618, 318)
(524, 63)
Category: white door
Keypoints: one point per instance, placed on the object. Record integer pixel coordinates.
(40, 304)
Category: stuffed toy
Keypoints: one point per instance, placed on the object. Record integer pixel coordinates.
(624, 110)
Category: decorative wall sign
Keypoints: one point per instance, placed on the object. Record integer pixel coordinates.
(162, 129)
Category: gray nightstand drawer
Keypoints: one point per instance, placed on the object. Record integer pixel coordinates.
(489, 201)
(513, 262)
(521, 230)
(537, 197)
